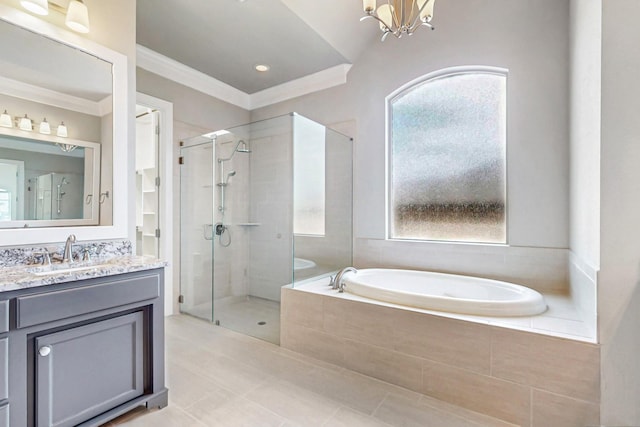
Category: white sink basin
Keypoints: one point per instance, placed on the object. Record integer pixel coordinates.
(63, 269)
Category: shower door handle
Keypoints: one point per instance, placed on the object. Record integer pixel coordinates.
(207, 231)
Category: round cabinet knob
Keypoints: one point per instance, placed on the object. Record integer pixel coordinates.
(44, 351)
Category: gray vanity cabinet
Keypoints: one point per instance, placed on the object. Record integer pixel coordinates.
(83, 353)
(85, 371)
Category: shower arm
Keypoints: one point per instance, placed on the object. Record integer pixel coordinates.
(235, 150)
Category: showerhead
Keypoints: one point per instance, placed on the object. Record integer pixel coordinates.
(242, 147)
(229, 175)
(64, 181)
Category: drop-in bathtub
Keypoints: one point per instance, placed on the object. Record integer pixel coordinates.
(445, 292)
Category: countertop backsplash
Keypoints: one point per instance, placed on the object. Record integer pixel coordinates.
(29, 255)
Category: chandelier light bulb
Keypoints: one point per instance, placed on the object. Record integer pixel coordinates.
(399, 17)
(369, 5)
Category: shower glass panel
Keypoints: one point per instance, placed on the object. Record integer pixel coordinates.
(247, 193)
(323, 192)
(196, 229)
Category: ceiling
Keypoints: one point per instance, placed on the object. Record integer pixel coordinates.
(226, 39)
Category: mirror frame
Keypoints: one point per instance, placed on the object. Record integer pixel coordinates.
(120, 135)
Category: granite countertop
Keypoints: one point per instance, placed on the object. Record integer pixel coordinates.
(31, 276)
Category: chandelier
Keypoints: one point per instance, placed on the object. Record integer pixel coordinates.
(399, 17)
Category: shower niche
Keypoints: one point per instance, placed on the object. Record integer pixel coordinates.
(263, 205)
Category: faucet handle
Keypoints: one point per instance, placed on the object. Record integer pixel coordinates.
(86, 254)
(46, 258)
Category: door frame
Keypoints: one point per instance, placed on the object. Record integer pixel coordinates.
(165, 208)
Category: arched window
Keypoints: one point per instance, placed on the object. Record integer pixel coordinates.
(447, 157)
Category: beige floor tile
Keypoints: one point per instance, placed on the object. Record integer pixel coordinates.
(353, 390)
(346, 417)
(397, 411)
(171, 416)
(550, 410)
(238, 412)
(296, 404)
(187, 387)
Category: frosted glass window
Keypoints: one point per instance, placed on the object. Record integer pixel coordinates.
(447, 159)
(308, 177)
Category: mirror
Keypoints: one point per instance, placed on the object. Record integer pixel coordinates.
(59, 118)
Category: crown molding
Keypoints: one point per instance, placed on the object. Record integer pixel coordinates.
(156, 63)
(34, 93)
(315, 82)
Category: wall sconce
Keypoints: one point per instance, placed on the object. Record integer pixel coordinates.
(44, 127)
(62, 130)
(77, 15)
(25, 123)
(5, 120)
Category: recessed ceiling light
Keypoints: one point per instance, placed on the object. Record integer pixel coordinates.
(262, 68)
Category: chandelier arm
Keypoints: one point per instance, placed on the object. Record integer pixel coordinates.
(386, 27)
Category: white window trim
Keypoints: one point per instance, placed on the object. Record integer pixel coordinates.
(434, 75)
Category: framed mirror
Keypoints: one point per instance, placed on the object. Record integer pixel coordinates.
(57, 116)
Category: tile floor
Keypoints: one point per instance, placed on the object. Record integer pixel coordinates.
(249, 315)
(217, 377)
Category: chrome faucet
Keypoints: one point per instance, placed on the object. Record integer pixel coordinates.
(337, 281)
(68, 249)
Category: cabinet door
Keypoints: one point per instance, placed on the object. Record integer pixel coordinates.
(85, 371)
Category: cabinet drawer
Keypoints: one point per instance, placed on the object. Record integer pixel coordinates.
(4, 370)
(51, 306)
(4, 316)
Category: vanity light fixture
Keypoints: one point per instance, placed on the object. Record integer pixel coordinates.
(77, 14)
(25, 123)
(62, 130)
(39, 7)
(399, 17)
(5, 120)
(44, 127)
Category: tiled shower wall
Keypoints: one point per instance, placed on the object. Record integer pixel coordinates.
(527, 379)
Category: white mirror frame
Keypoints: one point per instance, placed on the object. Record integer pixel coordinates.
(118, 192)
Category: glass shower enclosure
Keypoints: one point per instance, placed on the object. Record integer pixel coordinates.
(263, 205)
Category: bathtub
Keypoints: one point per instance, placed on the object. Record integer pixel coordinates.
(445, 292)
(302, 264)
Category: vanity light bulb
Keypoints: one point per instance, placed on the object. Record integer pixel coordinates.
(39, 7)
(78, 16)
(44, 127)
(26, 124)
(5, 120)
(62, 130)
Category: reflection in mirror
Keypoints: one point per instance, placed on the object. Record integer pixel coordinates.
(67, 95)
(41, 183)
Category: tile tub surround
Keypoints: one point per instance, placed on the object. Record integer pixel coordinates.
(524, 378)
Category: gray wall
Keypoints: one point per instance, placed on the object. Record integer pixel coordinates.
(469, 32)
(619, 278)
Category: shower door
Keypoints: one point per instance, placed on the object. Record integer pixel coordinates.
(196, 230)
